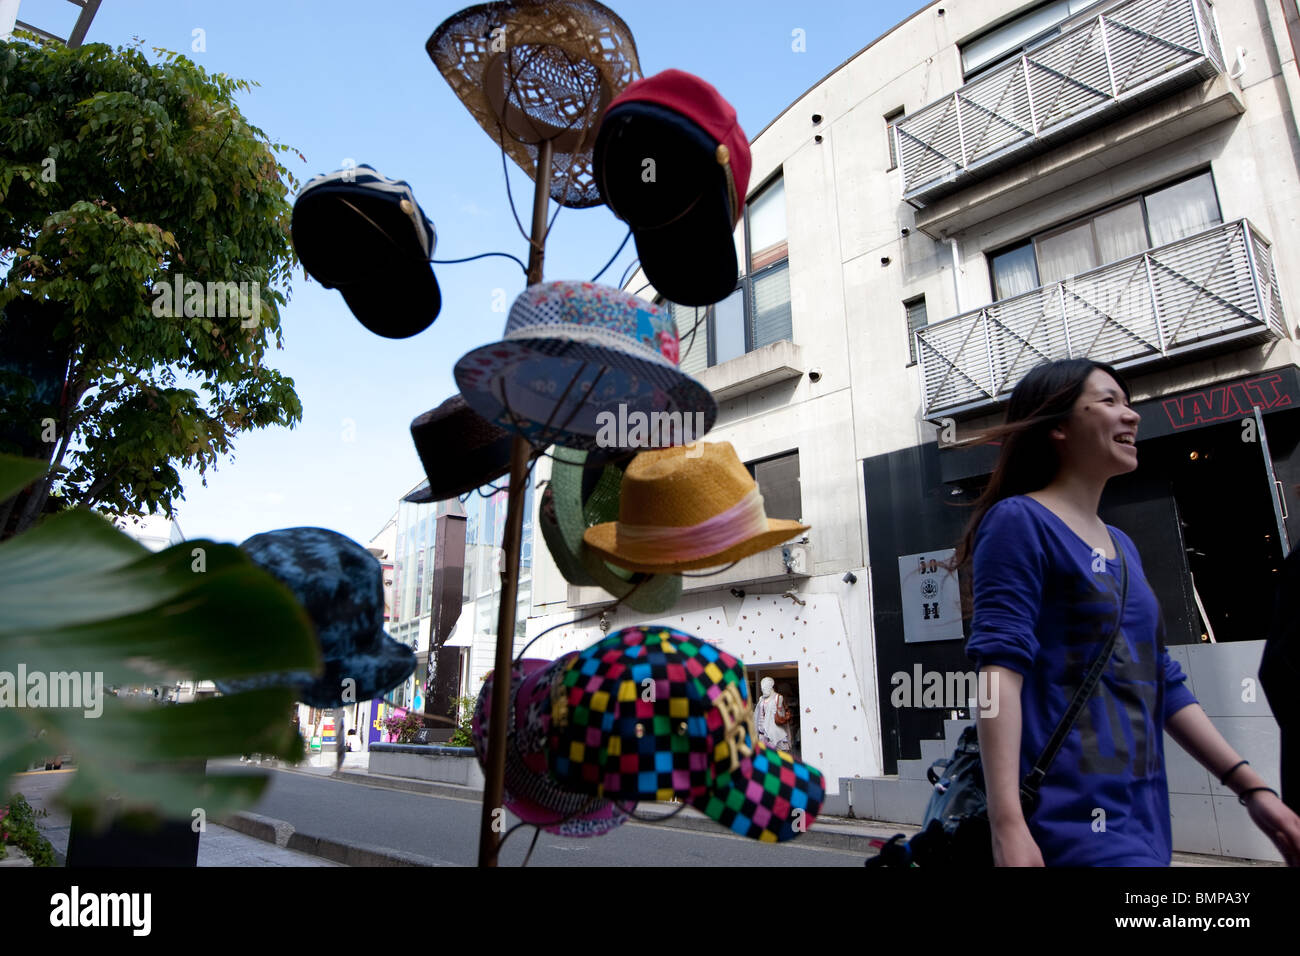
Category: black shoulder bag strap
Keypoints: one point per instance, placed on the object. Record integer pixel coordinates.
(1029, 788)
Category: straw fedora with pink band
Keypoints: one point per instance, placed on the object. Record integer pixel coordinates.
(680, 510)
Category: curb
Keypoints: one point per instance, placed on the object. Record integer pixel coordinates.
(282, 834)
(410, 784)
(691, 819)
(688, 819)
(266, 828)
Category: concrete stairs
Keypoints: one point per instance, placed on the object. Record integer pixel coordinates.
(900, 798)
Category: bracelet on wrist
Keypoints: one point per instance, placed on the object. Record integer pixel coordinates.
(1231, 770)
(1241, 797)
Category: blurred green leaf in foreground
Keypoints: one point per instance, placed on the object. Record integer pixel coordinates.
(77, 595)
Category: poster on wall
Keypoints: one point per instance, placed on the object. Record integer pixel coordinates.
(931, 597)
(377, 714)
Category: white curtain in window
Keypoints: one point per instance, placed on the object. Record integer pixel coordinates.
(1014, 272)
(1066, 254)
(1120, 233)
(1182, 209)
(1012, 35)
(729, 327)
(916, 319)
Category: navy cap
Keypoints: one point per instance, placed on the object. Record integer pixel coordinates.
(364, 234)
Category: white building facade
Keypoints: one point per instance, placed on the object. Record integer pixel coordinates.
(990, 185)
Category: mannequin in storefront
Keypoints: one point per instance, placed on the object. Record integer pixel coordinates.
(769, 705)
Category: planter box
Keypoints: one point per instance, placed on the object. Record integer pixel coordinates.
(456, 765)
(15, 857)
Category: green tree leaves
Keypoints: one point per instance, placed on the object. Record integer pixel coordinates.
(118, 176)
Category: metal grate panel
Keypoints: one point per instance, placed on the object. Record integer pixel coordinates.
(1201, 291)
(1117, 60)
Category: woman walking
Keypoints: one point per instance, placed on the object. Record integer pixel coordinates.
(1046, 574)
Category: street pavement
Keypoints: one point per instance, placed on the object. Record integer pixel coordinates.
(443, 831)
(218, 845)
(361, 819)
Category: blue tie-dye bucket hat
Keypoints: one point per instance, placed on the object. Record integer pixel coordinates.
(340, 585)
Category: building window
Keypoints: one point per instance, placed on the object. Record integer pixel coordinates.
(758, 312)
(778, 483)
(1158, 217)
(1018, 35)
(915, 309)
(692, 335)
(890, 122)
(765, 219)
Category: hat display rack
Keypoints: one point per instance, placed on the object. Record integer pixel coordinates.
(536, 76)
(539, 78)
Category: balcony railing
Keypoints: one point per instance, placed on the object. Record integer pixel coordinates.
(1117, 61)
(1209, 289)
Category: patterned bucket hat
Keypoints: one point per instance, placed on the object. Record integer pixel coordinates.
(341, 587)
(650, 713)
(587, 366)
(364, 234)
(577, 497)
(530, 793)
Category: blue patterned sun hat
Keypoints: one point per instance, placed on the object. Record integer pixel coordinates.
(585, 366)
(341, 587)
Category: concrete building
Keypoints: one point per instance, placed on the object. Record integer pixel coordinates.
(989, 185)
(155, 532)
(75, 18)
(447, 584)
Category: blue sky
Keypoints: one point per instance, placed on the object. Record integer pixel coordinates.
(347, 79)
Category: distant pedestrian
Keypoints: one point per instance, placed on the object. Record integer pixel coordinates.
(1045, 573)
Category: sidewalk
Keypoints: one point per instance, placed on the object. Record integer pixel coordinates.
(249, 839)
(218, 846)
(839, 833)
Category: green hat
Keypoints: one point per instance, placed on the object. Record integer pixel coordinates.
(564, 516)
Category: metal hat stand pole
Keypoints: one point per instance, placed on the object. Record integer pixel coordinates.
(494, 773)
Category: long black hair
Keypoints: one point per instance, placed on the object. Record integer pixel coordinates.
(1028, 461)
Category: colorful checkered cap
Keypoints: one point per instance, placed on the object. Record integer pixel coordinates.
(529, 791)
(650, 713)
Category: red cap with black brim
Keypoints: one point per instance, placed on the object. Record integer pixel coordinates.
(672, 161)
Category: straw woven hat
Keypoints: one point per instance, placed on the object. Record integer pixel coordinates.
(569, 507)
(680, 509)
(536, 70)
